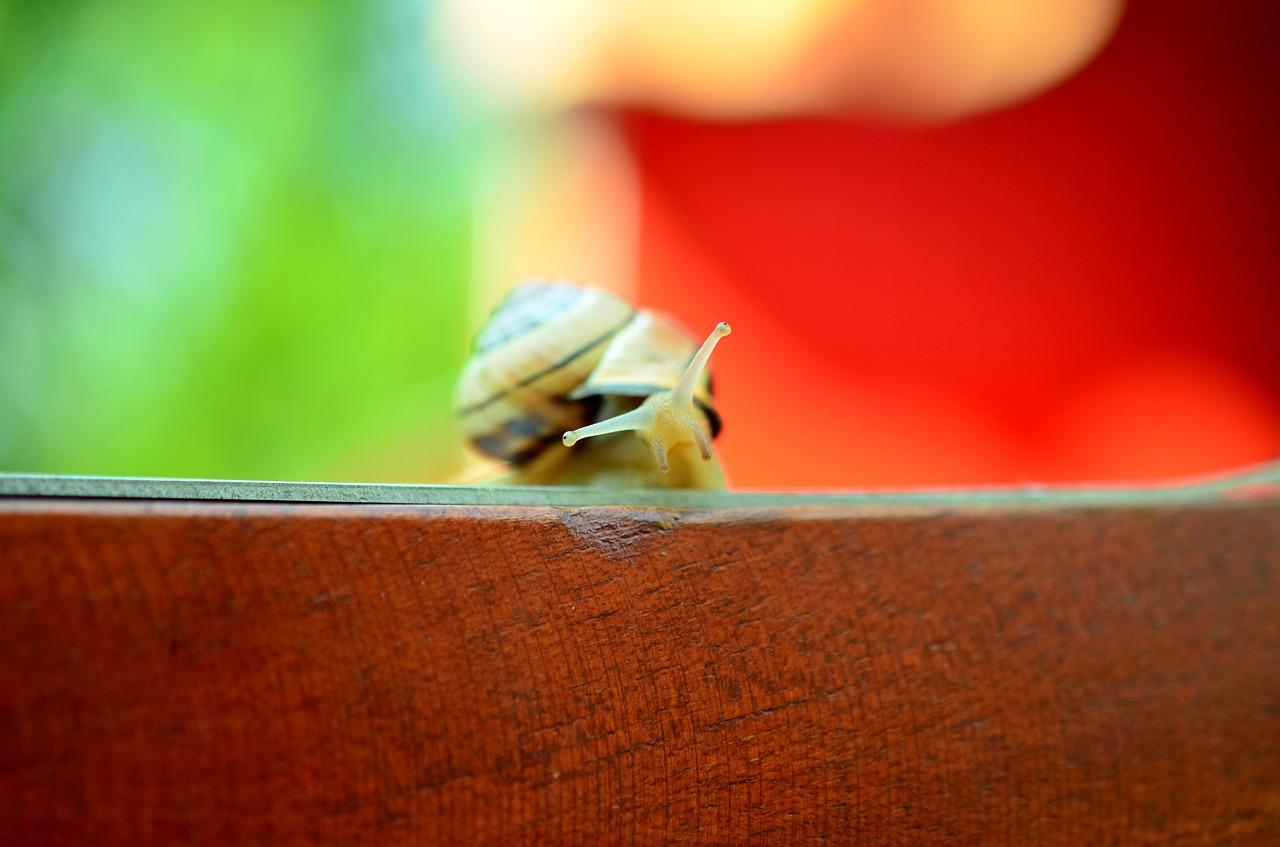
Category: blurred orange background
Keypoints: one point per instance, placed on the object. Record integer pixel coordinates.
(1081, 286)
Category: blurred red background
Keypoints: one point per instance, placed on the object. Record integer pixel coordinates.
(1085, 286)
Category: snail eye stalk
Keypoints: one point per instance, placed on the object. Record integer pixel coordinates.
(667, 419)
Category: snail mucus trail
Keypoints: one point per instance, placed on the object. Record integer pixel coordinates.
(573, 386)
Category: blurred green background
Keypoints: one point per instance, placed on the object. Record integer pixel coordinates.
(233, 240)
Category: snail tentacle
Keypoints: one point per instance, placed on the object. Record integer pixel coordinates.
(683, 390)
(638, 419)
(704, 444)
(660, 455)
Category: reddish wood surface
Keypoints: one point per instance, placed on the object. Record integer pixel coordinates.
(203, 673)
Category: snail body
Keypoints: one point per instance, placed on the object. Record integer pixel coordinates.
(557, 364)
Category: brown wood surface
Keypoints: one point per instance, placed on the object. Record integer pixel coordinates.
(292, 674)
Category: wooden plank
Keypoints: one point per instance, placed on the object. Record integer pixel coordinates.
(272, 673)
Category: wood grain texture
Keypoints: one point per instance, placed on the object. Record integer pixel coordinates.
(295, 674)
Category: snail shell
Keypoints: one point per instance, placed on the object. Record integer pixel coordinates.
(553, 355)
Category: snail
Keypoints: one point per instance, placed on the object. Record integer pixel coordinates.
(562, 379)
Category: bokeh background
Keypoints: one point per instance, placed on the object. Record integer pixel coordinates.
(959, 242)
(234, 239)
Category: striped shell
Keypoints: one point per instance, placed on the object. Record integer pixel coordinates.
(548, 355)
